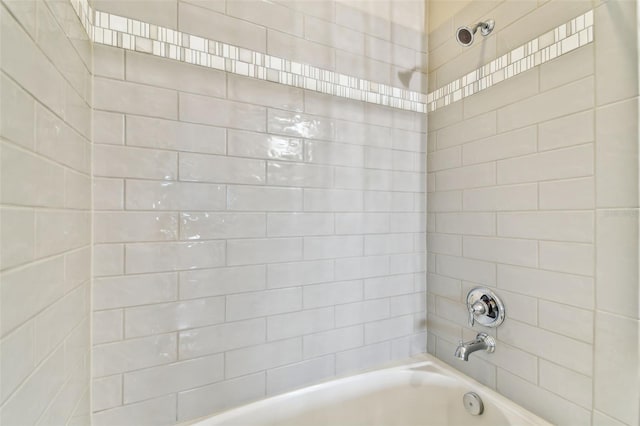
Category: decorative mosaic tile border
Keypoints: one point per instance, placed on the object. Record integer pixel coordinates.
(131, 34)
(563, 39)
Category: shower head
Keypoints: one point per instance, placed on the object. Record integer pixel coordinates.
(465, 35)
(405, 76)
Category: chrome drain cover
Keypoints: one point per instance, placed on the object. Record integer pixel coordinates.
(472, 403)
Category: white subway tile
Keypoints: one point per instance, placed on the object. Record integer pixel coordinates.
(132, 98)
(337, 154)
(299, 50)
(131, 290)
(558, 287)
(18, 237)
(502, 250)
(468, 130)
(107, 326)
(295, 324)
(569, 130)
(617, 262)
(106, 392)
(108, 128)
(360, 359)
(147, 413)
(41, 181)
(18, 114)
(300, 374)
(221, 281)
(387, 244)
(108, 194)
(113, 227)
(466, 177)
(120, 161)
(300, 125)
(328, 33)
(154, 195)
(35, 394)
(263, 303)
(558, 164)
(28, 290)
(616, 367)
(253, 251)
(557, 226)
(260, 145)
(17, 358)
(504, 145)
(361, 223)
(387, 201)
(240, 362)
(562, 350)
(361, 267)
(355, 178)
(260, 92)
(55, 323)
(616, 155)
(299, 273)
(567, 257)
(157, 257)
(332, 247)
(294, 224)
(154, 319)
(566, 383)
(301, 175)
(264, 198)
(133, 354)
(326, 342)
(224, 113)
(237, 32)
(164, 72)
(331, 294)
(388, 329)
(444, 159)
(501, 198)
(361, 312)
(567, 320)
(388, 286)
(206, 226)
(230, 393)
(174, 135)
(568, 194)
(332, 200)
(466, 269)
(548, 405)
(466, 223)
(221, 169)
(219, 338)
(56, 140)
(184, 375)
(613, 51)
(564, 100)
(58, 231)
(444, 286)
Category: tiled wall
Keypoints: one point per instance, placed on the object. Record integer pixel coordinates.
(533, 191)
(45, 257)
(250, 237)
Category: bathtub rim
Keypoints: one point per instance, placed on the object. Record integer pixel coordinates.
(414, 362)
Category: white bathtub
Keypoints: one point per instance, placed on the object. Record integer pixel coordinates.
(426, 392)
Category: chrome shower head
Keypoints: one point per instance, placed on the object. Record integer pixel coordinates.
(465, 35)
(405, 76)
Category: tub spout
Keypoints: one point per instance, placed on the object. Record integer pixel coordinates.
(482, 342)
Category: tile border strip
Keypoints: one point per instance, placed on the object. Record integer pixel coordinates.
(113, 30)
(563, 39)
(130, 34)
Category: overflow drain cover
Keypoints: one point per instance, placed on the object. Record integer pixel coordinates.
(472, 403)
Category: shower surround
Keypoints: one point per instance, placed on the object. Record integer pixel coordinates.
(533, 191)
(250, 236)
(258, 221)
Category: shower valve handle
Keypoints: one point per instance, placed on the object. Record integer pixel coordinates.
(478, 308)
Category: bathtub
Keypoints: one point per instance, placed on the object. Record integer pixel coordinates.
(426, 392)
